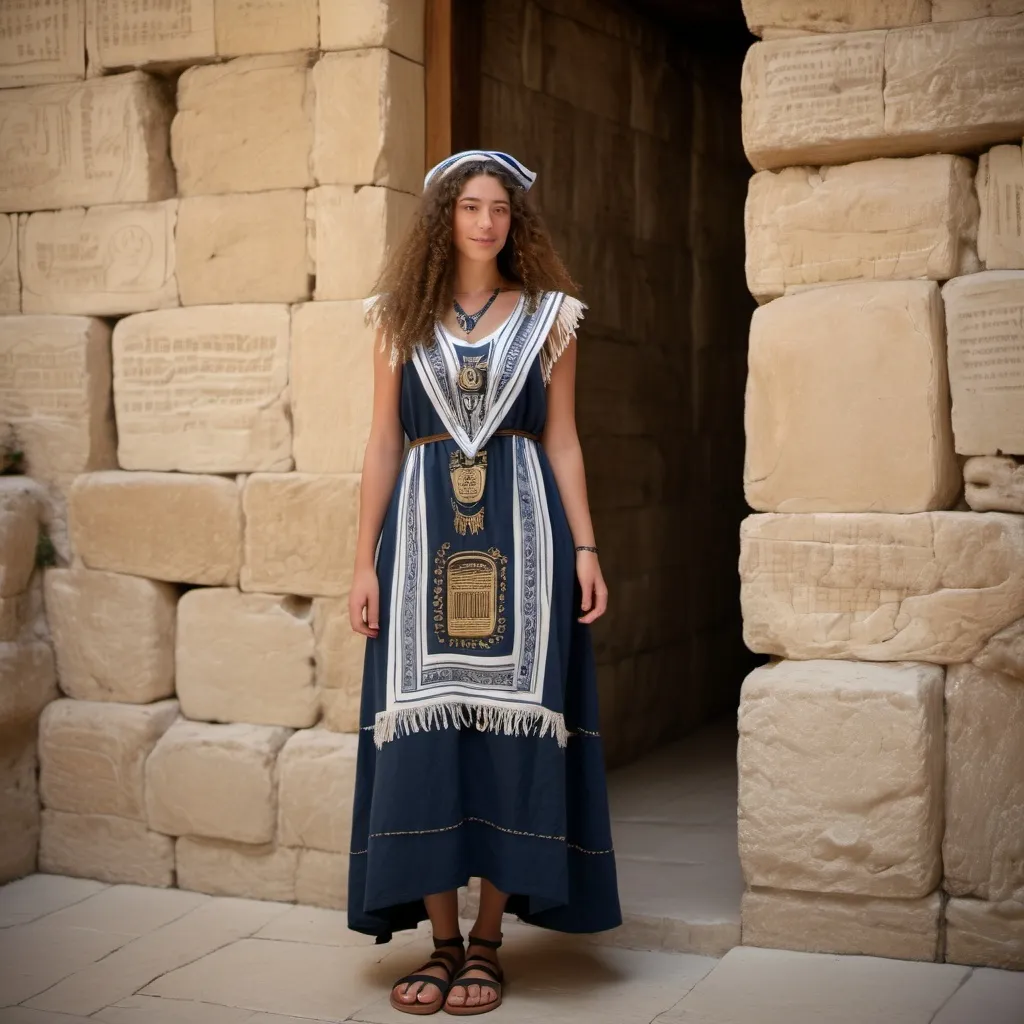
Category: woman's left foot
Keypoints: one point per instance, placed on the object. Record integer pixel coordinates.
(477, 987)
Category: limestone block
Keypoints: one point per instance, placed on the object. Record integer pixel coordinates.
(821, 413)
(124, 33)
(353, 231)
(264, 872)
(985, 331)
(28, 682)
(339, 654)
(322, 879)
(370, 127)
(167, 526)
(109, 849)
(983, 848)
(269, 26)
(932, 586)
(244, 126)
(395, 25)
(113, 634)
(814, 922)
(876, 220)
(55, 392)
(92, 754)
(985, 934)
(994, 483)
(87, 143)
(243, 248)
(19, 808)
(41, 41)
(105, 261)
(840, 777)
(22, 617)
(902, 92)
(203, 389)
(833, 15)
(960, 10)
(316, 778)
(331, 386)
(215, 781)
(245, 658)
(20, 512)
(300, 533)
(1000, 186)
(1004, 652)
(10, 275)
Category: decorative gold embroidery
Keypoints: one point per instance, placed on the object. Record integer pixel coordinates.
(475, 601)
(469, 477)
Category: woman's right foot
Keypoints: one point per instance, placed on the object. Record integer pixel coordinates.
(424, 991)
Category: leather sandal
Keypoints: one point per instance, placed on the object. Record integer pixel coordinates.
(477, 963)
(439, 958)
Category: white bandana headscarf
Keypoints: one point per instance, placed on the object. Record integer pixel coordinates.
(523, 177)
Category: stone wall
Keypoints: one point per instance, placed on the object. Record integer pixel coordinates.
(195, 198)
(635, 137)
(881, 803)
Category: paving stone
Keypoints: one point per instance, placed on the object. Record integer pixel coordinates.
(992, 997)
(127, 909)
(38, 895)
(320, 927)
(151, 1010)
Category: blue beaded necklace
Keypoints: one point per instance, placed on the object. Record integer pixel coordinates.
(468, 321)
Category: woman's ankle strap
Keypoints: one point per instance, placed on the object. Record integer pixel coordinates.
(475, 940)
(439, 943)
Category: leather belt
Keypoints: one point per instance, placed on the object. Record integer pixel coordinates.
(448, 437)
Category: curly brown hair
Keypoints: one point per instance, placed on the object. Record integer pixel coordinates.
(416, 286)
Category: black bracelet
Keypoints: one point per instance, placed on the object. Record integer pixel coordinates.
(586, 547)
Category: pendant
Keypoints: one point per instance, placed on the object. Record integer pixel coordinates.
(469, 477)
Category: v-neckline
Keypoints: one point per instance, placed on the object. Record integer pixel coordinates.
(479, 342)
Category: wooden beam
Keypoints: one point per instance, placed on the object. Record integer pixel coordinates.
(453, 34)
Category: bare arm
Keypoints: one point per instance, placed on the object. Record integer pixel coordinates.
(381, 463)
(562, 444)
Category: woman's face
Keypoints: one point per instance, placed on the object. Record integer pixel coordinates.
(482, 219)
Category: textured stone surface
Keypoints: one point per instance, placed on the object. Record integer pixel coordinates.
(316, 782)
(322, 879)
(10, 275)
(19, 807)
(820, 412)
(203, 389)
(105, 261)
(985, 934)
(244, 126)
(339, 654)
(926, 587)
(125, 34)
(1000, 184)
(994, 483)
(902, 92)
(55, 391)
(245, 658)
(167, 526)
(833, 15)
(878, 219)
(983, 848)
(370, 126)
(244, 248)
(20, 511)
(840, 769)
(1004, 652)
(960, 10)
(300, 533)
(825, 923)
(353, 231)
(92, 755)
(42, 43)
(236, 869)
(86, 143)
(215, 781)
(113, 634)
(271, 26)
(331, 385)
(28, 682)
(395, 25)
(107, 848)
(984, 313)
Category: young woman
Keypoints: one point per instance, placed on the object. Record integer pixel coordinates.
(476, 578)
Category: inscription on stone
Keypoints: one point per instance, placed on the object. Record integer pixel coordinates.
(1001, 191)
(41, 41)
(10, 283)
(136, 32)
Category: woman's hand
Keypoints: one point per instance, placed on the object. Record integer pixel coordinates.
(364, 603)
(595, 592)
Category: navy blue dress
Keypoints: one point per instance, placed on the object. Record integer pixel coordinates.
(479, 752)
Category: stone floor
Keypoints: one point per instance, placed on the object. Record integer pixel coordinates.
(74, 950)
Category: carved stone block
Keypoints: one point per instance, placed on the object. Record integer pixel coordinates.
(1000, 184)
(994, 483)
(221, 868)
(41, 42)
(339, 654)
(395, 25)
